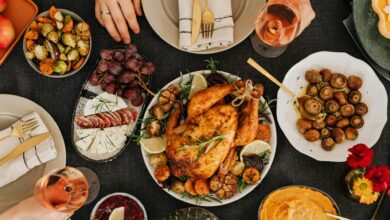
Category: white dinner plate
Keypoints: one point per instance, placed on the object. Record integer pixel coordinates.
(12, 108)
(163, 17)
(238, 195)
(373, 92)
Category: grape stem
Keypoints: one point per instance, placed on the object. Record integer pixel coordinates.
(143, 84)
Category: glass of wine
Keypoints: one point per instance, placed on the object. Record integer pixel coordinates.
(276, 25)
(67, 189)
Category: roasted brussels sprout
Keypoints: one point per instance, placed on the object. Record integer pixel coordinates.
(73, 55)
(53, 36)
(347, 110)
(332, 106)
(46, 29)
(319, 125)
(313, 76)
(67, 49)
(357, 121)
(303, 125)
(154, 128)
(326, 75)
(338, 81)
(354, 82)
(313, 106)
(361, 109)
(40, 52)
(156, 160)
(354, 97)
(157, 112)
(177, 187)
(238, 168)
(60, 67)
(325, 132)
(338, 135)
(69, 39)
(341, 97)
(162, 173)
(312, 90)
(312, 135)
(61, 48)
(331, 120)
(351, 133)
(63, 57)
(82, 29)
(326, 93)
(83, 47)
(328, 144)
(342, 123)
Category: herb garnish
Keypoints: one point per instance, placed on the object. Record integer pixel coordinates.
(185, 88)
(199, 199)
(263, 107)
(205, 144)
(212, 65)
(104, 103)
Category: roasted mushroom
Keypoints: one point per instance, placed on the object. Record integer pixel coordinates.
(326, 75)
(361, 109)
(347, 110)
(325, 132)
(338, 81)
(351, 133)
(162, 173)
(312, 135)
(319, 125)
(157, 111)
(313, 106)
(224, 187)
(342, 123)
(331, 120)
(303, 125)
(354, 97)
(312, 90)
(357, 121)
(154, 128)
(354, 82)
(328, 144)
(313, 76)
(338, 135)
(156, 160)
(332, 106)
(326, 93)
(341, 97)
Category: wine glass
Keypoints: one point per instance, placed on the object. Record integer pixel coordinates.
(276, 25)
(67, 189)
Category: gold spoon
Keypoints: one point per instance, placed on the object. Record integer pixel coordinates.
(299, 102)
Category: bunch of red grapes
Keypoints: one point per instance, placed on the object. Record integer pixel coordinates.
(120, 72)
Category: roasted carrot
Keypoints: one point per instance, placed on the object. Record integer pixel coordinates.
(68, 24)
(189, 187)
(52, 12)
(201, 187)
(31, 35)
(69, 66)
(79, 63)
(34, 26)
(30, 45)
(42, 19)
(263, 132)
(46, 66)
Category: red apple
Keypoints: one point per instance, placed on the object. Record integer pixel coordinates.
(3, 5)
(7, 32)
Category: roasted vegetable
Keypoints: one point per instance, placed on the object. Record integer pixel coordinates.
(303, 125)
(40, 52)
(60, 67)
(319, 125)
(156, 160)
(238, 168)
(157, 112)
(341, 97)
(354, 82)
(67, 49)
(251, 175)
(313, 76)
(46, 29)
(162, 173)
(82, 29)
(332, 106)
(215, 78)
(331, 120)
(312, 135)
(30, 44)
(52, 49)
(326, 75)
(189, 187)
(69, 39)
(342, 123)
(166, 96)
(83, 47)
(78, 64)
(61, 48)
(253, 160)
(313, 106)
(354, 97)
(225, 186)
(326, 93)
(154, 128)
(328, 144)
(312, 90)
(325, 132)
(46, 66)
(263, 132)
(351, 133)
(30, 55)
(357, 121)
(68, 24)
(31, 35)
(33, 26)
(63, 57)
(338, 135)
(361, 109)
(201, 187)
(347, 110)
(73, 55)
(338, 81)
(53, 36)
(177, 187)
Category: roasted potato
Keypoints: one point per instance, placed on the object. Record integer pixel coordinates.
(162, 173)
(154, 128)
(313, 76)
(157, 160)
(326, 93)
(351, 133)
(189, 187)
(251, 175)
(166, 96)
(201, 187)
(354, 82)
(312, 135)
(338, 135)
(361, 109)
(332, 106)
(303, 125)
(312, 90)
(341, 97)
(354, 97)
(338, 81)
(326, 75)
(177, 187)
(328, 144)
(357, 121)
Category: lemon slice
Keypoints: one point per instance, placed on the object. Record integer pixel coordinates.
(117, 214)
(256, 147)
(154, 145)
(199, 83)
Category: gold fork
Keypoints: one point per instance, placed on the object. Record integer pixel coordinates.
(207, 22)
(22, 128)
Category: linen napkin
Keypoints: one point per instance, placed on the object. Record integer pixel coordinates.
(223, 27)
(41, 153)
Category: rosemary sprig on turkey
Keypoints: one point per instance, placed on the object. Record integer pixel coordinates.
(205, 144)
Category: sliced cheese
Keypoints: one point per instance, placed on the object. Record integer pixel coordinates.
(104, 102)
(117, 139)
(85, 143)
(110, 146)
(98, 144)
(82, 133)
(118, 129)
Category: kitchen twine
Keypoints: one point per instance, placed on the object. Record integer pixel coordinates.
(242, 95)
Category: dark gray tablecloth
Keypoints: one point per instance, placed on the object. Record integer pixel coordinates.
(128, 173)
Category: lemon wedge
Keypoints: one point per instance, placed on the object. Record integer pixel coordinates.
(154, 145)
(117, 214)
(256, 147)
(199, 83)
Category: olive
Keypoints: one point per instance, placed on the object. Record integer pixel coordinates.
(313, 106)
(361, 109)
(338, 135)
(312, 135)
(312, 90)
(354, 82)
(319, 125)
(338, 81)
(342, 123)
(351, 133)
(328, 144)
(347, 110)
(331, 120)
(303, 125)
(341, 97)
(326, 93)
(326, 75)
(354, 97)
(313, 76)
(332, 106)
(325, 132)
(357, 121)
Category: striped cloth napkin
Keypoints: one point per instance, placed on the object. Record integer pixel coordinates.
(223, 27)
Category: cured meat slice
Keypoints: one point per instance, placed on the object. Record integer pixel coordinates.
(125, 118)
(84, 122)
(107, 119)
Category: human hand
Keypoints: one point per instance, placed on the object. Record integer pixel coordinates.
(31, 209)
(306, 14)
(117, 15)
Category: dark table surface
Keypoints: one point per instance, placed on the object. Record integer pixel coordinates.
(128, 173)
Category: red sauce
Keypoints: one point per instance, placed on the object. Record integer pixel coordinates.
(132, 210)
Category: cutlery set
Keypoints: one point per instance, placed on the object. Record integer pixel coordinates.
(202, 22)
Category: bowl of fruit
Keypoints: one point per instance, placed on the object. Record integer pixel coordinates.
(57, 43)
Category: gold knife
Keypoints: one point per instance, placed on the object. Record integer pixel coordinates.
(23, 147)
(196, 21)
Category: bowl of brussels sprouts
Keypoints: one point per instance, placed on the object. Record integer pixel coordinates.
(57, 43)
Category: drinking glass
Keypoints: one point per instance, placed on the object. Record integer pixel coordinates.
(67, 189)
(276, 25)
